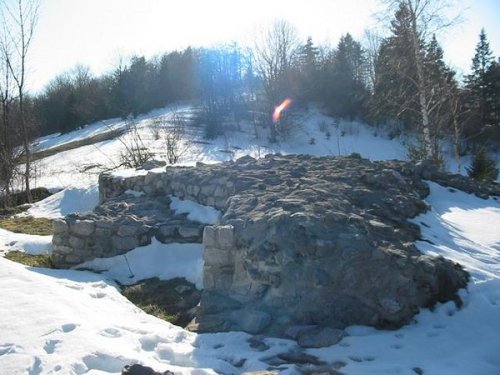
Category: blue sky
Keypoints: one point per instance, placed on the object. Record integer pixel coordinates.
(97, 32)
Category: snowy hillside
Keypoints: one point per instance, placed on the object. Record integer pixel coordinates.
(77, 322)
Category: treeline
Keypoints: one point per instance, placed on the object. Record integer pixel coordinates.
(77, 98)
(400, 82)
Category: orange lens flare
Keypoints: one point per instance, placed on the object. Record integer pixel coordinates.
(277, 110)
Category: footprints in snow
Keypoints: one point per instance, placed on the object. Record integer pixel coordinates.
(68, 327)
(50, 346)
(36, 368)
(98, 295)
(8, 349)
(65, 328)
(105, 362)
(93, 293)
(111, 332)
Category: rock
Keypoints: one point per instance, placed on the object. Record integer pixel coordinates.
(214, 303)
(319, 337)
(125, 243)
(213, 323)
(294, 331)
(142, 370)
(152, 164)
(257, 343)
(189, 231)
(251, 321)
(76, 242)
(225, 236)
(299, 357)
(83, 227)
(127, 230)
(168, 230)
(60, 226)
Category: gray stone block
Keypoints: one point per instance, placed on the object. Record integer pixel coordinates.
(76, 242)
(251, 321)
(213, 256)
(83, 227)
(189, 232)
(127, 230)
(60, 226)
(320, 337)
(209, 236)
(168, 230)
(124, 243)
(73, 259)
(225, 237)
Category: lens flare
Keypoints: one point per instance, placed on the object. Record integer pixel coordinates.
(277, 110)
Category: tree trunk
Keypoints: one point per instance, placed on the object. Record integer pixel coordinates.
(421, 87)
(26, 138)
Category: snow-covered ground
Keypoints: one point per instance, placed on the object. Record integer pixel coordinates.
(77, 322)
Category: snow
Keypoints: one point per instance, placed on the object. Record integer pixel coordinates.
(91, 130)
(71, 199)
(196, 212)
(165, 261)
(77, 322)
(134, 193)
(30, 244)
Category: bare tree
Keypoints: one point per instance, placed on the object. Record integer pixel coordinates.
(8, 154)
(169, 130)
(426, 17)
(275, 55)
(135, 152)
(371, 44)
(19, 22)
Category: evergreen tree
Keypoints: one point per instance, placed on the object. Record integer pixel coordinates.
(395, 99)
(480, 100)
(483, 167)
(308, 71)
(492, 93)
(441, 87)
(346, 89)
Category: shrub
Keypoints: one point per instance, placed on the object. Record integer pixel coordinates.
(483, 167)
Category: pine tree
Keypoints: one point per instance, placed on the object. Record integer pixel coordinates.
(483, 167)
(492, 95)
(395, 93)
(308, 70)
(346, 89)
(478, 85)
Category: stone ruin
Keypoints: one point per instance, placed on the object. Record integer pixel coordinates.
(302, 241)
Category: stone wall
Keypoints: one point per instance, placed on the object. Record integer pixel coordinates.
(210, 185)
(117, 226)
(302, 241)
(135, 209)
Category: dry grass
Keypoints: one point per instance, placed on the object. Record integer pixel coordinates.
(168, 300)
(29, 260)
(28, 225)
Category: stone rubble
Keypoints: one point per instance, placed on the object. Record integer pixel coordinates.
(303, 241)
